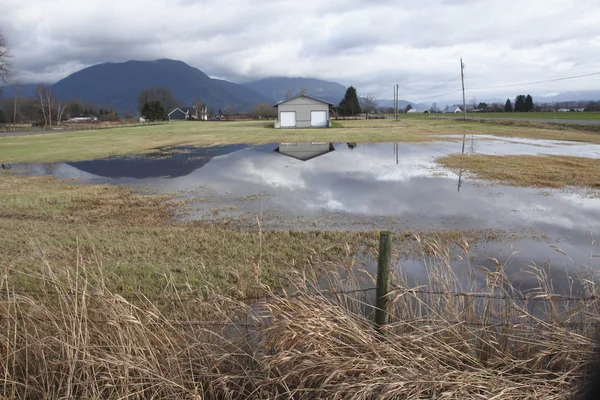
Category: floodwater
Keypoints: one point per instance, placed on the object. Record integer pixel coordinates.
(394, 186)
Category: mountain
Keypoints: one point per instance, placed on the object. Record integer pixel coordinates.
(580, 95)
(277, 87)
(117, 85)
(401, 104)
(24, 90)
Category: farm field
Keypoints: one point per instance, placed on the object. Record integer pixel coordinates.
(152, 246)
(86, 145)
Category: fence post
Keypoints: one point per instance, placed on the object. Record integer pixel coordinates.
(384, 269)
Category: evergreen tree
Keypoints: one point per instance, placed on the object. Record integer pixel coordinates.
(520, 103)
(2, 117)
(154, 111)
(508, 106)
(349, 105)
(529, 103)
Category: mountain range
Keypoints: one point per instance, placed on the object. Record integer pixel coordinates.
(117, 85)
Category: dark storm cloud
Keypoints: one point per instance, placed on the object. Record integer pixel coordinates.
(369, 44)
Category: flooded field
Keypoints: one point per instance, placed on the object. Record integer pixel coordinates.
(350, 186)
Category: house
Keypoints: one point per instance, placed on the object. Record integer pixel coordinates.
(418, 111)
(188, 113)
(303, 112)
(304, 151)
(458, 110)
(563, 110)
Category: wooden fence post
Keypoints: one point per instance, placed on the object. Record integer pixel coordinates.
(384, 269)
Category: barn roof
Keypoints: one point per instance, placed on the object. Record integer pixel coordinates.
(304, 95)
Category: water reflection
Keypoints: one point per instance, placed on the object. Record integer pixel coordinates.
(305, 151)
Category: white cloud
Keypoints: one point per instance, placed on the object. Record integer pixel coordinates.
(369, 44)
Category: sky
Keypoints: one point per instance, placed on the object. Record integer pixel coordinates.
(370, 44)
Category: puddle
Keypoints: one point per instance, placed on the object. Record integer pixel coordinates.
(363, 186)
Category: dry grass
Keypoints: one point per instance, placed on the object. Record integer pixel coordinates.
(530, 171)
(95, 144)
(45, 220)
(78, 340)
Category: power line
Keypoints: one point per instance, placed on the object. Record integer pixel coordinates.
(536, 82)
(501, 86)
(431, 88)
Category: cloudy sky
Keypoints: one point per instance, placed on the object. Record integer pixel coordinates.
(369, 44)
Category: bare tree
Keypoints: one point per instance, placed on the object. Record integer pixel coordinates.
(17, 93)
(264, 111)
(60, 110)
(288, 94)
(368, 104)
(302, 91)
(473, 103)
(46, 103)
(4, 64)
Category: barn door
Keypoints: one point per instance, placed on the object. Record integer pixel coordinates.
(287, 118)
(318, 118)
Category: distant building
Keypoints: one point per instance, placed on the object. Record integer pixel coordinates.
(303, 112)
(188, 113)
(82, 119)
(563, 110)
(418, 111)
(458, 110)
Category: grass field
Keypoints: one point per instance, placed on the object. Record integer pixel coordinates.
(104, 295)
(85, 145)
(529, 171)
(583, 116)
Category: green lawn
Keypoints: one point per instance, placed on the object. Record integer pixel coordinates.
(85, 145)
(588, 116)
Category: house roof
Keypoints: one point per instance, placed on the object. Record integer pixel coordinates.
(176, 109)
(304, 95)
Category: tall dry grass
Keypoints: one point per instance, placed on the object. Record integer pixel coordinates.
(451, 337)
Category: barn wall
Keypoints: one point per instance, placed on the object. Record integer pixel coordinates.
(303, 106)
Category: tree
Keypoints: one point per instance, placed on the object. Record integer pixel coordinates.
(407, 108)
(520, 103)
(2, 117)
(529, 103)
(368, 104)
(160, 94)
(482, 106)
(302, 91)
(508, 106)
(473, 103)
(154, 111)
(288, 94)
(264, 111)
(434, 107)
(349, 105)
(4, 65)
(46, 103)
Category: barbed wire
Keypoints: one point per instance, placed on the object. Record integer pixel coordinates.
(395, 289)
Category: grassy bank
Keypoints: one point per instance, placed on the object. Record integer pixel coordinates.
(480, 340)
(45, 221)
(529, 171)
(87, 145)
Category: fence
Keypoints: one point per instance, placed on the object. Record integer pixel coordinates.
(69, 127)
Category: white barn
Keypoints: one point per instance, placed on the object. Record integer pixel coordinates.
(418, 111)
(303, 112)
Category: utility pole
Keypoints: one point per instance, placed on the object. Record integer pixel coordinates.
(397, 101)
(462, 78)
(394, 102)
